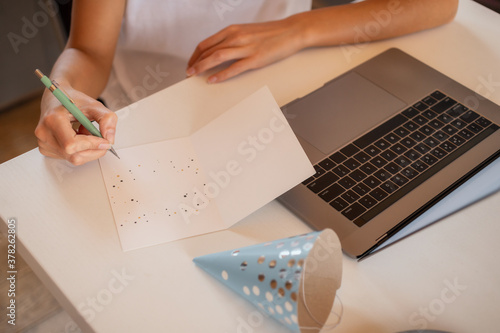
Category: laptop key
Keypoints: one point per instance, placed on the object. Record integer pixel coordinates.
(332, 192)
(350, 196)
(372, 150)
(319, 171)
(459, 124)
(382, 174)
(421, 120)
(368, 168)
(392, 138)
(466, 134)
(429, 114)
(409, 172)
(378, 161)
(353, 211)
(440, 135)
(469, 116)
(401, 131)
(399, 180)
(475, 128)
(445, 118)
(447, 146)
(361, 189)
(339, 204)
(411, 126)
(323, 182)
(417, 136)
(457, 110)
(327, 164)
(392, 167)
(382, 144)
(438, 95)
(368, 201)
(457, 140)
(380, 131)
(420, 166)
(427, 130)
(483, 122)
(402, 161)
(379, 194)
(398, 148)
(444, 105)
(408, 142)
(420, 106)
(338, 157)
(341, 170)
(450, 130)
(429, 100)
(429, 159)
(357, 175)
(436, 124)
(410, 112)
(347, 182)
(389, 187)
(349, 150)
(413, 155)
(362, 157)
(431, 142)
(422, 148)
(372, 182)
(352, 164)
(389, 155)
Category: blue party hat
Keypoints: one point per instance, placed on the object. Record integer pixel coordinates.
(294, 280)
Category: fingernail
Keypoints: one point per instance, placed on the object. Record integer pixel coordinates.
(104, 146)
(213, 79)
(110, 136)
(190, 71)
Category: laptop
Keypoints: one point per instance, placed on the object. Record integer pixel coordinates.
(388, 140)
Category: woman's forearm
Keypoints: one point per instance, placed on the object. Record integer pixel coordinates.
(372, 20)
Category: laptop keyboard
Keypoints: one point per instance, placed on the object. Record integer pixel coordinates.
(369, 174)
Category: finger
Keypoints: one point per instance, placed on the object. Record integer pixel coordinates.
(82, 130)
(218, 57)
(86, 156)
(206, 44)
(106, 118)
(232, 70)
(50, 149)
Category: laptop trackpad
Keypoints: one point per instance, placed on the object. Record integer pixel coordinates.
(340, 111)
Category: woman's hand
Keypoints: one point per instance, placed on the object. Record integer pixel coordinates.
(57, 137)
(250, 46)
(256, 45)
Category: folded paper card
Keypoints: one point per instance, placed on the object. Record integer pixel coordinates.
(205, 182)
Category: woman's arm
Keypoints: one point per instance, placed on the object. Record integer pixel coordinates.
(82, 70)
(259, 44)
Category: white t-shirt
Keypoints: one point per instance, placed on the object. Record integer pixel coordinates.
(158, 37)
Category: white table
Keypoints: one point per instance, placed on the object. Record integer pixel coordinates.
(444, 277)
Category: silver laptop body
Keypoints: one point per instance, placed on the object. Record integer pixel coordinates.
(348, 114)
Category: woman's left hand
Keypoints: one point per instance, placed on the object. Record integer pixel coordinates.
(250, 46)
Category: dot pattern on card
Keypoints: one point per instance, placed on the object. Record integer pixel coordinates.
(155, 192)
(124, 190)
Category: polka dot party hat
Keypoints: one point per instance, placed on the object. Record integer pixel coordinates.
(294, 280)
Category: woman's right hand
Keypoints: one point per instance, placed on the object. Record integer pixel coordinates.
(57, 136)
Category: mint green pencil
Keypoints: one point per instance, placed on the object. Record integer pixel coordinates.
(69, 104)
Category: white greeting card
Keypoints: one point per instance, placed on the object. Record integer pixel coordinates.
(208, 181)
